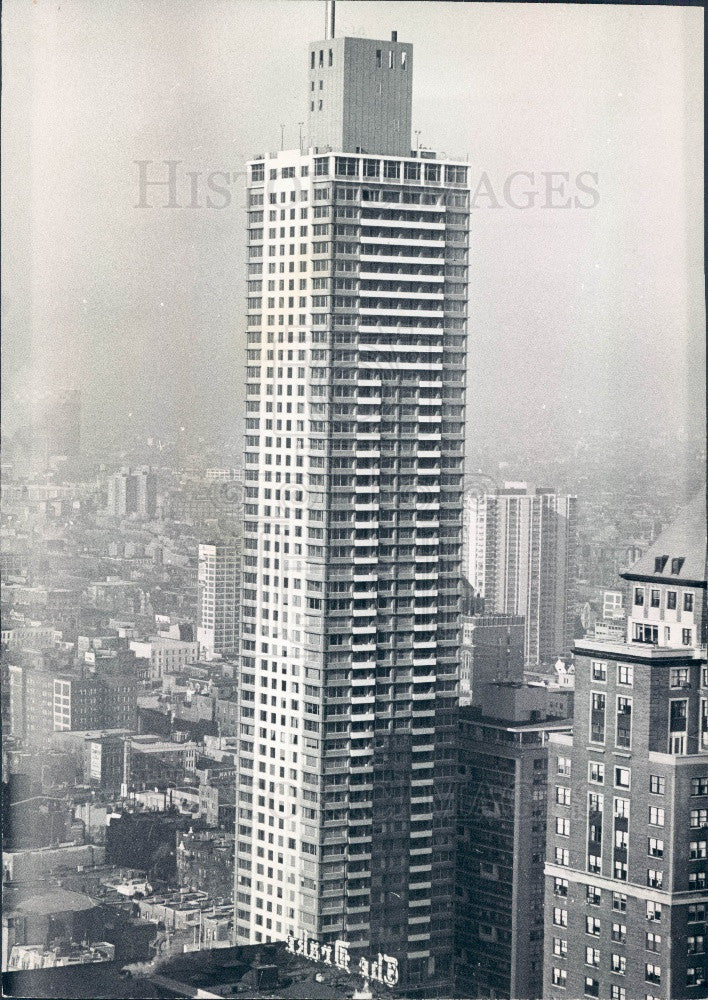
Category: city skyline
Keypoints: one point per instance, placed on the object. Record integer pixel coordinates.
(588, 295)
(353, 561)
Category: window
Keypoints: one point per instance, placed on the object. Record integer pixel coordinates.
(619, 933)
(562, 826)
(596, 772)
(652, 941)
(659, 563)
(657, 784)
(560, 886)
(698, 818)
(622, 808)
(560, 947)
(560, 917)
(639, 596)
(624, 722)
(688, 602)
(671, 600)
(560, 977)
(592, 987)
(697, 850)
(592, 957)
(564, 766)
(646, 633)
(655, 598)
(597, 717)
(562, 795)
(455, 175)
(619, 902)
(652, 973)
(619, 964)
(592, 926)
(699, 786)
(618, 993)
(685, 637)
(655, 848)
(622, 777)
(653, 910)
(599, 670)
(656, 816)
(695, 943)
(625, 674)
(593, 895)
(655, 878)
(695, 976)
(676, 565)
(562, 856)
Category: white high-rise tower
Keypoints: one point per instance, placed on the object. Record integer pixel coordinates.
(357, 298)
(218, 576)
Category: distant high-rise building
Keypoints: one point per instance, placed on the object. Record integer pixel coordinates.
(469, 527)
(122, 494)
(353, 471)
(132, 491)
(626, 870)
(219, 595)
(501, 841)
(145, 494)
(62, 425)
(52, 433)
(522, 561)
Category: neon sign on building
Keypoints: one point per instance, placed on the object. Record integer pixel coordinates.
(383, 969)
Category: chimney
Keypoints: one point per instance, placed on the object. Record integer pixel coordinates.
(394, 36)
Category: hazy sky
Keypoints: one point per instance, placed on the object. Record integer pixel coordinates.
(595, 314)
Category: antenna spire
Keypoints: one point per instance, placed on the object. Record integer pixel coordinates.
(329, 18)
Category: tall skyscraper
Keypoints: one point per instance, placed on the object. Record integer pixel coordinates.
(357, 283)
(626, 870)
(218, 576)
(522, 562)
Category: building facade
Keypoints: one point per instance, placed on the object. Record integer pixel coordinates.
(522, 561)
(501, 841)
(219, 590)
(357, 255)
(626, 867)
(492, 650)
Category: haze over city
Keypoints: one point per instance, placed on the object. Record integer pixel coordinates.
(581, 319)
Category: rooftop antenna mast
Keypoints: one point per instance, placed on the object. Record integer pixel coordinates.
(329, 18)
